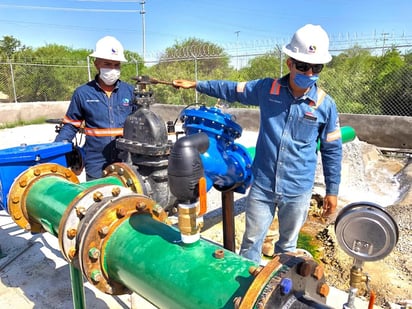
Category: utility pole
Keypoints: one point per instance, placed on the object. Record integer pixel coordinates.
(143, 12)
(384, 34)
(279, 49)
(237, 50)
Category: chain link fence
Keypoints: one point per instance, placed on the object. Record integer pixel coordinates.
(355, 89)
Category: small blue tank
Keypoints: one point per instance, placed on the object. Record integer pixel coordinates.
(14, 161)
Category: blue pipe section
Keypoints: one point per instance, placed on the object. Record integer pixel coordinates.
(227, 165)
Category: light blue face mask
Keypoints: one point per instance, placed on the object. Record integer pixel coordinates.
(303, 81)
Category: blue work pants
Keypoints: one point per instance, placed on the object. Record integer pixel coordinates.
(261, 206)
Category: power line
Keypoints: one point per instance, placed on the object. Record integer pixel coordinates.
(52, 8)
(62, 26)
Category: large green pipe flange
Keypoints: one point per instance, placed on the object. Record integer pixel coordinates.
(96, 227)
(77, 209)
(20, 189)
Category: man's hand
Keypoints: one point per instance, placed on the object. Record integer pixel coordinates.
(330, 203)
(185, 84)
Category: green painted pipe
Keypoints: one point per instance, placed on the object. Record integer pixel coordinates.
(49, 197)
(148, 257)
(79, 301)
(348, 135)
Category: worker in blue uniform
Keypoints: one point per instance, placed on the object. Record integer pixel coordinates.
(294, 114)
(99, 108)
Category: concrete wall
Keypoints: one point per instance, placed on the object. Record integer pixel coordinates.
(382, 131)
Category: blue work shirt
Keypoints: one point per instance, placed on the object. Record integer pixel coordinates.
(103, 118)
(286, 156)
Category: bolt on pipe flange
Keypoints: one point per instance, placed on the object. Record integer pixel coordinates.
(69, 223)
(285, 275)
(21, 186)
(126, 175)
(96, 227)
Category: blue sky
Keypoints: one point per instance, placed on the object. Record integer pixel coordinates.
(228, 23)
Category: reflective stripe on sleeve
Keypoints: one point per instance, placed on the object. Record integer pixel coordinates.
(333, 136)
(275, 89)
(240, 87)
(104, 132)
(76, 123)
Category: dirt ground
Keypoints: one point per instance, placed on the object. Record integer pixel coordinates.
(389, 278)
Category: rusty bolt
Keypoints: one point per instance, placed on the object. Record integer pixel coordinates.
(254, 271)
(121, 212)
(141, 206)
(318, 272)
(15, 199)
(236, 301)
(36, 172)
(112, 168)
(304, 269)
(121, 171)
(96, 275)
(260, 305)
(98, 196)
(72, 253)
(94, 253)
(105, 173)
(23, 183)
(108, 289)
(323, 290)
(53, 169)
(116, 191)
(71, 233)
(219, 254)
(80, 211)
(157, 209)
(104, 230)
(67, 173)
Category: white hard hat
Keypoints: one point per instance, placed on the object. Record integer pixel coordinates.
(309, 44)
(109, 48)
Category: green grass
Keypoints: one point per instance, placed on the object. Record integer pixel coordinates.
(20, 123)
(305, 241)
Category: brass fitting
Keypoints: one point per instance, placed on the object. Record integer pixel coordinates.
(189, 223)
(358, 279)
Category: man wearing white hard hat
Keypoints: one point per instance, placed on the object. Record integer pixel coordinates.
(294, 115)
(100, 107)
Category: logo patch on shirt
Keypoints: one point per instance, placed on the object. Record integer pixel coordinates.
(310, 116)
(126, 102)
(275, 101)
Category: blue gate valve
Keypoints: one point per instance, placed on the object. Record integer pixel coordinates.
(227, 165)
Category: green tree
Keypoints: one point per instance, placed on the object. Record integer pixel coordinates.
(54, 73)
(191, 59)
(9, 46)
(267, 65)
(394, 83)
(347, 79)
